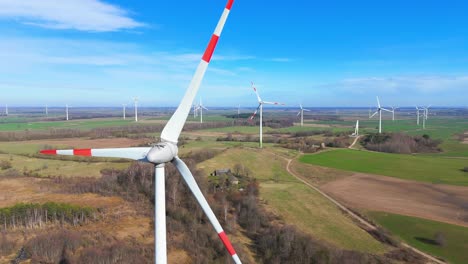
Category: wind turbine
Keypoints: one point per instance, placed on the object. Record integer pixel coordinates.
(260, 106)
(393, 113)
(124, 106)
(238, 111)
(301, 112)
(135, 100)
(424, 119)
(379, 111)
(200, 108)
(46, 110)
(6, 109)
(356, 129)
(166, 151)
(426, 111)
(194, 111)
(66, 111)
(417, 114)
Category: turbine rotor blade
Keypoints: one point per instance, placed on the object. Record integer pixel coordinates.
(376, 112)
(193, 186)
(125, 153)
(256, 92)
(306, 110)
(273, 103)
(298, 113)
(386, 110)
(256, 110)
(378, 101)
(175, 125)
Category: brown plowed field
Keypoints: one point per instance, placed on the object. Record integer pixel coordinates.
(443, 203)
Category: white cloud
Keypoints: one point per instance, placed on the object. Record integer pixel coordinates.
(405, 84)
(84, 15)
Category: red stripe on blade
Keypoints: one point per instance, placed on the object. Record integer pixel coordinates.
(82, 152)
(49, 151)
(227, 243)
(210, 49)
(229, 4)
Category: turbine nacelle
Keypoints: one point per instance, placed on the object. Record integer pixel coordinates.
(162, 152)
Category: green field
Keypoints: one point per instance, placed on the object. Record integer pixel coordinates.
(318, 217)
(76, 124)
(437, 170)
(420, 233)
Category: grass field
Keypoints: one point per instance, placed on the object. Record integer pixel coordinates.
(297, 204)
(437, 170)
(420, 234)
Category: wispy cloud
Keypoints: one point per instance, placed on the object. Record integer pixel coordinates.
(84, 15)
(281, 59)
(405, 84)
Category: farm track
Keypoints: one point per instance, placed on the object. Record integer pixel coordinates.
(367, 225)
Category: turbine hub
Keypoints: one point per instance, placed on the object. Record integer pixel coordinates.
(162, 152)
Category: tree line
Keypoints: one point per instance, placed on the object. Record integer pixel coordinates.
(32, 215)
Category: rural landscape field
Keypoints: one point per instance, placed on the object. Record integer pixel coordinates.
(210, 132)
(314, 184)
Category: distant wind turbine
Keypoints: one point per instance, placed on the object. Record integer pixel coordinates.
(46, 110)
(393, 113)
(417, 114)
(260, 106)
(6, 109)
(427, 111)
(379, 111)
(200, 108)
(66, 111)
(356, 129)
(301, 112)
(124, 106)
(136, 108)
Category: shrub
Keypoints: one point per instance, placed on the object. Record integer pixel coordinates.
(400, 143)
(5, 164)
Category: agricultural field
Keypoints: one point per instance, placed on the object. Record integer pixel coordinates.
(422, 234)
(432, 169)
(282, 193)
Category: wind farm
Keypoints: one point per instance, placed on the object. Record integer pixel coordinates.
(109, 154)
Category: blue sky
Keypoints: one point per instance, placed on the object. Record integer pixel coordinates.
(320, 53)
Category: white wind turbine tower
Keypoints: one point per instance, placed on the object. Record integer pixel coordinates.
(200, 108)
(260, 106)
(393, 113)
(417, 114)
(46, 110)
(379, 111)
(426, 111)
(166, 151)
(424, 116)
(238, 111)
(356, 129)
(6, 109)
(124, 106)
(301, 112)
(194, 111)
(135, 100)
(66, 112)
